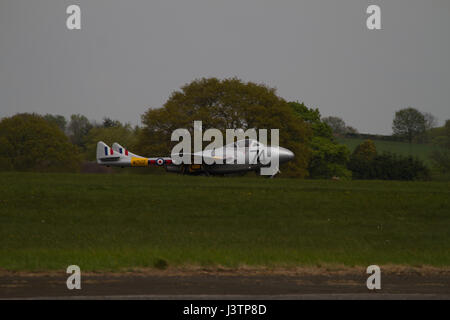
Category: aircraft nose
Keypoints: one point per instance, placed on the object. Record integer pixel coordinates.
(285, 155)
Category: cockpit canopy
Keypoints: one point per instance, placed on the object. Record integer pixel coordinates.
(247, 143)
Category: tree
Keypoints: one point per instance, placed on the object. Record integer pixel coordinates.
(408, 123)
(351, 130)
(365, 150)
(430, 121)
(328, 158)
(312, 118)
(57, 119)
(226, 104)
(108, 123)
(361, 160)
(28, 142)
(430, 125)
(79, 127)
(338, 126)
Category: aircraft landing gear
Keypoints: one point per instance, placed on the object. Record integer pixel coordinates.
(205, 171)
(276, 172)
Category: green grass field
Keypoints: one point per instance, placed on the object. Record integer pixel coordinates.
(115, 222)
(421, 151)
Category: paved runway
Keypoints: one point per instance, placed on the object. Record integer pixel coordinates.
(201, 286)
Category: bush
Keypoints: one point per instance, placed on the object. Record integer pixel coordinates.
(390, 166)
(365, 163)
(328, 158)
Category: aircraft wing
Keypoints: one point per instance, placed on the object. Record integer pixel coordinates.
(206, 157)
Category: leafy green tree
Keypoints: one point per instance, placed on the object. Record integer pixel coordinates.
(350, 129)
(430, 121)
(79, 127)
(28, 142)
(313, 118)
(57, 119)
(108, 123)
(366, 150)
(409, 123)
(336, 124)
(430, 125)
(328, 157)
(226, 104)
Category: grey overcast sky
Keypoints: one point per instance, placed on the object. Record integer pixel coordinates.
(131, 54)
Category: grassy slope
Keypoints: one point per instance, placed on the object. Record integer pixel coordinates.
(422, 151)
(107, 222)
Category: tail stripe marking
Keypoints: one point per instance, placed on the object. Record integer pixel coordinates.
(106, 151)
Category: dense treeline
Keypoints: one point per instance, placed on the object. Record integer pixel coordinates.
(54, 143)
(365, 163)
(31, 142)
(368, 136)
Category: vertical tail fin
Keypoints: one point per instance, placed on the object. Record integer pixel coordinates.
(110, 157)
(105, 153)
(123, 151)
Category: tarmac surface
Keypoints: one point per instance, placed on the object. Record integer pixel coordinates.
(199, 285)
